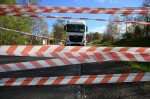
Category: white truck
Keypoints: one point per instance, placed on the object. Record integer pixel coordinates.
(76, 33)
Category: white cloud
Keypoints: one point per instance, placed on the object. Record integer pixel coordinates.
(110, 1)
(116, 1)
(100, 1)
(98, 29)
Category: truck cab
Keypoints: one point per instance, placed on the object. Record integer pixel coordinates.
(76, 33)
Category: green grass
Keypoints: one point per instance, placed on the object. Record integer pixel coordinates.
(100, 44)
(139, 42)
(142, 42)
(139, 66)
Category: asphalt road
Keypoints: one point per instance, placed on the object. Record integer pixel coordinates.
(97, 91)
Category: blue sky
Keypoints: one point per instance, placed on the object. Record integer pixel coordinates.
(94, 26)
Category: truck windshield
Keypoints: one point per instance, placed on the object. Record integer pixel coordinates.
(75, 28)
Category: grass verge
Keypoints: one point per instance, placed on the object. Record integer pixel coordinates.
(140, 42)
(139, 66)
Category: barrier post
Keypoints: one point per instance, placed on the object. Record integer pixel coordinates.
(79, 90)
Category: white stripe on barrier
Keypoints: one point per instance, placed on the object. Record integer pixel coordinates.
(55, 48)
(76, 59)
(131, 77)
(54, 9)
(86, 79)
(50, 16)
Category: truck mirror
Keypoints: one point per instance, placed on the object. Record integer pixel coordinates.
(86, 28)
(65, 28)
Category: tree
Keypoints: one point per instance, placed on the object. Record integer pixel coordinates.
(39, 25)
(14, 23)
(113, 29)
(89, 37)
(146, 3)
(58, 30)
(97, 36)
(29, 2)
(126, 17)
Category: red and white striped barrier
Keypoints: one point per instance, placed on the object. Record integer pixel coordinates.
(68, 55)
(141, 57)
(21, 49)
(55, 9)
(46, 63)
(21, 32)
(51, 16)
(74, 58)
(86, 79)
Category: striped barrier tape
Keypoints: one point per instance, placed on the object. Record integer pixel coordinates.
(68, 55)
(74, 58)
(51, 16)
(86, 79)
(141, 57)
(21, 32)
(45, 63)
(21, 49)
(55, 9)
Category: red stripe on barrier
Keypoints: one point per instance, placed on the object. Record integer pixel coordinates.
(11, 50)
(26, 50)
(129, 11)
(99, 56)
(130, 56)
(65, 61)
(22, 8)
(36, 64)
(91, 49)
(42, 81)
(26, 81)
(6, 67)
(75, 49)
(81, 60)
(146, 57)
(106, 78)
(86, 79)
(43, 49)
(54, 54)
(140, 50)
(113, 11)
(84, 55)
(59, 48)
(90, 79)
(115, 56)
(122, 50)
(123, 77)
(50, 62)
(144, 10)
(39, 54)
(21, 66)
(74, 80)
(10, 81)
(58, 80)
(139, 77)
(108, 49)
(69, 55)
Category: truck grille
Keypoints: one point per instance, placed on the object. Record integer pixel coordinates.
(75, 38)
